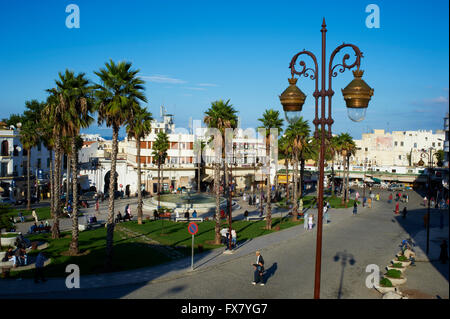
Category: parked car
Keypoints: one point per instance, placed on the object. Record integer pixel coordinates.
(396, 187)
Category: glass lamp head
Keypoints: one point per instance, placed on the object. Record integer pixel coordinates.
(357, 95)
(292, 100)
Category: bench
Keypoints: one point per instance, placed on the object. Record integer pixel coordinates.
(249, 218)
(83, 227)
(190, 219)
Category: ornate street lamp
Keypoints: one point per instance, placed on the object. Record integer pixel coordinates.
(356, 95)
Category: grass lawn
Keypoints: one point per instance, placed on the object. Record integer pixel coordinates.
(131, 253)
(128, 254)
(309, 201)
(42, 212)
(176, 234)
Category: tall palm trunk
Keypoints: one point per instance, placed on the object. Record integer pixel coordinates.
(68, 156)
(112, 181)
(199, 177)
(217, 191)
(295, 199)
(57, 188)
(268, 190)
(286, 162)
(348, 184)
(302, 175)
(139, 207)
(52, 199)
(28, 180)
(73, 250)
(332, 176)
(344, 180)
(159, 181)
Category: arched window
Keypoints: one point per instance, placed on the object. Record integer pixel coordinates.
(5, 148)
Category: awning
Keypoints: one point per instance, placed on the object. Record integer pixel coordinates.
(376, 180)
(208, 179)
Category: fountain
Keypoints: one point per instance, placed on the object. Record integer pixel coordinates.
(201, 202)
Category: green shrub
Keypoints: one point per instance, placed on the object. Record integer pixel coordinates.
(402, 258)
(397, 265)
(393, 273)
(385, 282)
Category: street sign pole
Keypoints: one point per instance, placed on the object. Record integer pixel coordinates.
(192, 257)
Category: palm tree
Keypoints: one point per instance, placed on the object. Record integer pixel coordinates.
(297, 134)
(285, 149)
(29, 139)
(160, 147)
(67, 149)
(29, 136)
(221, 115)
(46, 136)
(270, 120)
(348, 147)
(334, 148)
(77, 94)
(199, 146)
(55, 112)
(139, 125)
(118, 93)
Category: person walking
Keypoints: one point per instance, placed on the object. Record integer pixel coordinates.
(425, 201)
(305, 221)
(310, 221)
(96, 205)
(35, 216)
(258, 275)
(325, 213)
(355, 208)
(233, 238)
(378, 196)
(390, 198)
(404, 212)
(369, 201)
(39, 268)
(397, 209)
(357, 196)
(364, 201)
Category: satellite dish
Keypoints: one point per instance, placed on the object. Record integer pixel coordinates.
(12, 127)
(19, 125)
(18, 148)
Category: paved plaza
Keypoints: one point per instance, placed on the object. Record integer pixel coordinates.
(371, 237)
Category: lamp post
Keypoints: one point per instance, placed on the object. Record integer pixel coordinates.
(425, 154)
(357, 96)
(230, 202)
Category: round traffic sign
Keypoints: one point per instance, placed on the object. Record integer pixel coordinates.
(192, 228)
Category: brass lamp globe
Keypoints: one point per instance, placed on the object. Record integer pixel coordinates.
(292, 100)
(357, 95)
(421, 163)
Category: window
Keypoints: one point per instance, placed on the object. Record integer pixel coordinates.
(366, 149)
(48, 162)
(24, 171)
(399, 157)
(394, 170)
(24, 152)
(401, 144)
(5, 148)
(39, 147)
(434, 144)
(439, 144)
(39, 163)
(415, 145)
(395, 143)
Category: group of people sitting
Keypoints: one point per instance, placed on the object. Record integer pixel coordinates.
(41, 228)
(124, 218)
(225, 237)
(19, 255)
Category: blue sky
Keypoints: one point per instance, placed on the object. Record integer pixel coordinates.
(194, 52)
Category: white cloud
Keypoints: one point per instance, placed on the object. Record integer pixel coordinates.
(157, 78)
(196, 89)
(207, 84)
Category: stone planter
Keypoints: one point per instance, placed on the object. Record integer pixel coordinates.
(404, 263)
(401, 269)
(397, 281)
(10, 241)
(384, 290)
